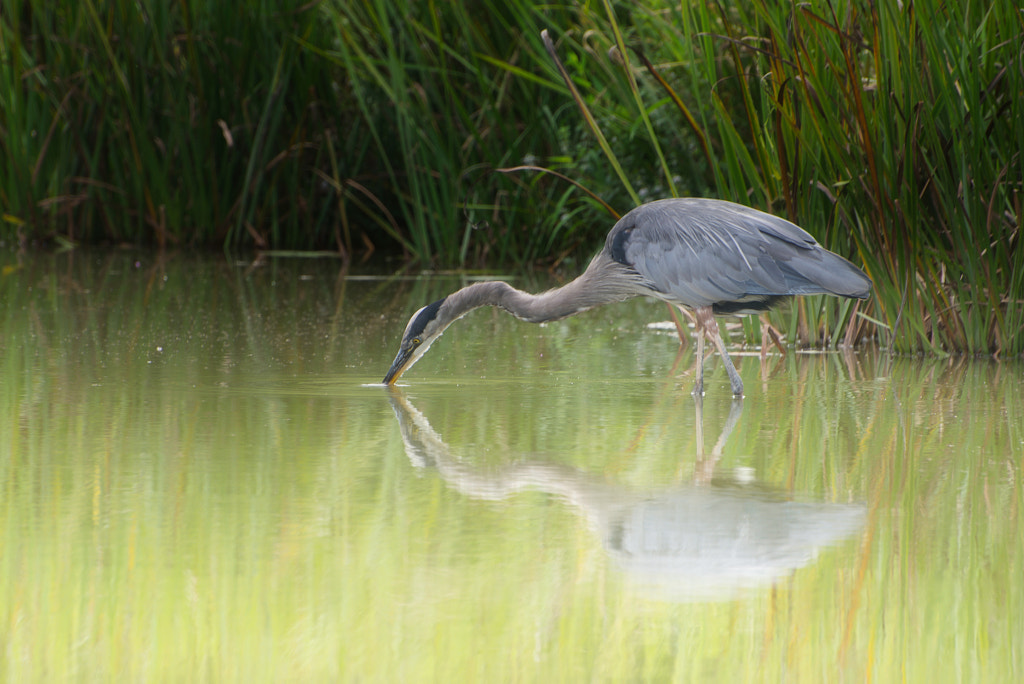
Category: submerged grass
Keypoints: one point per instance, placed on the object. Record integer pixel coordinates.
(892, 133)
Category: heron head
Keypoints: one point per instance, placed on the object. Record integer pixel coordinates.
(424, 327)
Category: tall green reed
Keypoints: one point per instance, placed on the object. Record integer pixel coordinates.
(162, 123)
(892, 133)
(449, 93)
(886, 135)
(910, 120)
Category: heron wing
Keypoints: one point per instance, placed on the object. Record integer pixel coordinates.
(702, 252)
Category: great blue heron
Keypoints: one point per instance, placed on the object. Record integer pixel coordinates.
(710, 256)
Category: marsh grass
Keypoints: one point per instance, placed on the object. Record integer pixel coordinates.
(163, 124)
(874, 128)
(893, 134)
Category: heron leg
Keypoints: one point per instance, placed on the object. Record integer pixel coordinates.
(706, 321)
(698, 387)
(764, 344)
(683, 338)
(768, 332)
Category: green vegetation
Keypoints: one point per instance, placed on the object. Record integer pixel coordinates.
(893, 133)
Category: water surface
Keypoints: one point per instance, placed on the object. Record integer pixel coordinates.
(202, 480)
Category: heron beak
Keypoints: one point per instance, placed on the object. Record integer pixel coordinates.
(399, 365)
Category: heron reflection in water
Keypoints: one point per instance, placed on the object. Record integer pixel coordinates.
(709, 256)
(712, 539)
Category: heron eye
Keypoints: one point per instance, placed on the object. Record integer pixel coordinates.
(417, 341)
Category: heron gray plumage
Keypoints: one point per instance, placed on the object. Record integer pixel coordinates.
(709, 256)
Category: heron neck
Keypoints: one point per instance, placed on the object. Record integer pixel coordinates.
(585, 292)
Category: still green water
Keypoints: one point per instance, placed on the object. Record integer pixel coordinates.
(202, 481)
